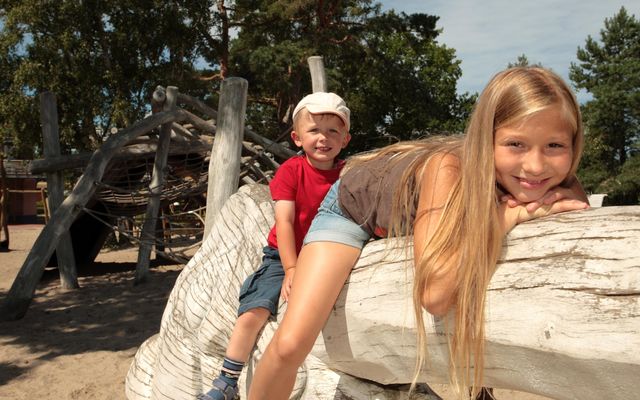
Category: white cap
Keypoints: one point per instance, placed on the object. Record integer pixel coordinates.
(325, 103)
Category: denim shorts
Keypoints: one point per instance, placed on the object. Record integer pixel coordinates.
(331, 224)
(262, 288)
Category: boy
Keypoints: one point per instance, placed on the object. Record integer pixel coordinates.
(321, 127)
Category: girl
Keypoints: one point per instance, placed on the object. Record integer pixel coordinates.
(457, 198)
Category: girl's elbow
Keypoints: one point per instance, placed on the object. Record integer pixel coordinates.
(435, 305)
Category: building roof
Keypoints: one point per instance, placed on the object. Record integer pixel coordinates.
(19, 169)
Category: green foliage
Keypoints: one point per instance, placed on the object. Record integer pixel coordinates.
(523, 61)
(101, 59)
(104, 59)
(610, 70)
(398, 81)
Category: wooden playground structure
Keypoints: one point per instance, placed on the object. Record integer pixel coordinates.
(170, 167)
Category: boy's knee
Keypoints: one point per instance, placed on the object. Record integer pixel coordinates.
(254, 318)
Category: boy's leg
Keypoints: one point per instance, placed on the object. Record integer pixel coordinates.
(245, 333)
(259, 296)
(321, 271)
(243, 338)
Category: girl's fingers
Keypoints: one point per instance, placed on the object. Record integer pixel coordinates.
(541, 210)
(552, 197)
(510, 200)
(559, 206)
(534, 205)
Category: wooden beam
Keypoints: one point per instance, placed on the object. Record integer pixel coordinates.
(268, 144)
(17, 301)
(148, 235)
(224, 166)
(143, 148)
(55, 188)
(318, 75)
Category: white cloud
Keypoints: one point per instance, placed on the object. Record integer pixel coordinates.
(489, 34)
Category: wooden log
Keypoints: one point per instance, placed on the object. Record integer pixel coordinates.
(562, 321)
(148, 234)
(134, 149)
(269, 145)
(224, 166)
(55, 187)
(17, 301)
(318, 75)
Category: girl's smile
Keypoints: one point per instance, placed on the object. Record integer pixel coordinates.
(534, 155)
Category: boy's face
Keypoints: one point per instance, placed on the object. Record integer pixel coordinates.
(321, 136)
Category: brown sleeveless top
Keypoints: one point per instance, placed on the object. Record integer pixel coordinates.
(366, 192)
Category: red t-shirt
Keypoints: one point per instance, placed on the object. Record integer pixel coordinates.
(299, 181)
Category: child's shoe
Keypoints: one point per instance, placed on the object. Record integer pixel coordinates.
(221, 391)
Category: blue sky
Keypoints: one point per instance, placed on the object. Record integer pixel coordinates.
(489, 34)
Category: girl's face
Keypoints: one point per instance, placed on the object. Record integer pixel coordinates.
(534, 155)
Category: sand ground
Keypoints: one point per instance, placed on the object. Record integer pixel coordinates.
(79, 344)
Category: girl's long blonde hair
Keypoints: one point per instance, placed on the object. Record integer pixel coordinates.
(469, 225)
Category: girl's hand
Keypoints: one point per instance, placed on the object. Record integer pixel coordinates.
(553, 195)
(555, 203)
(286, 283)
(573, 191)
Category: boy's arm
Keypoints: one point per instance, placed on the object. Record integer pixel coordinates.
(285, 215)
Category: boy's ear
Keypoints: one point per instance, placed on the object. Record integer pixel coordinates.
(296, 138)
(346, 140)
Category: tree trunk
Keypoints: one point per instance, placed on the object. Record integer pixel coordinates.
(563, 314)
(55, 188)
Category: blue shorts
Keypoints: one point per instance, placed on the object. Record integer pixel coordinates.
(262, 288)
(331, 224)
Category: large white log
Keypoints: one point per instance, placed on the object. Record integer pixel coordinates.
(563, 314)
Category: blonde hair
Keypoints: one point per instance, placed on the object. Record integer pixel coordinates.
(471, 209)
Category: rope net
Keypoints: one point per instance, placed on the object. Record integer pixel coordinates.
(124, 192)
(125, 187)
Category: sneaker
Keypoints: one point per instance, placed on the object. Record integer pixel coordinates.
(221, 391)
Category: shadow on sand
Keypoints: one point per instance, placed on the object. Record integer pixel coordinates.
(107, 313)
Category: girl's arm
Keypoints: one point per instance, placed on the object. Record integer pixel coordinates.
(437, 181)
(510, 216)
(285, 215)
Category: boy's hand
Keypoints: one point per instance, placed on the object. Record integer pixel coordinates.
(286, 283)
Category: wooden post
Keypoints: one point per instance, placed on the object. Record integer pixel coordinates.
(55, 187)
(318, 75)
(147, 235)
(19, 297)
(224, 166)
